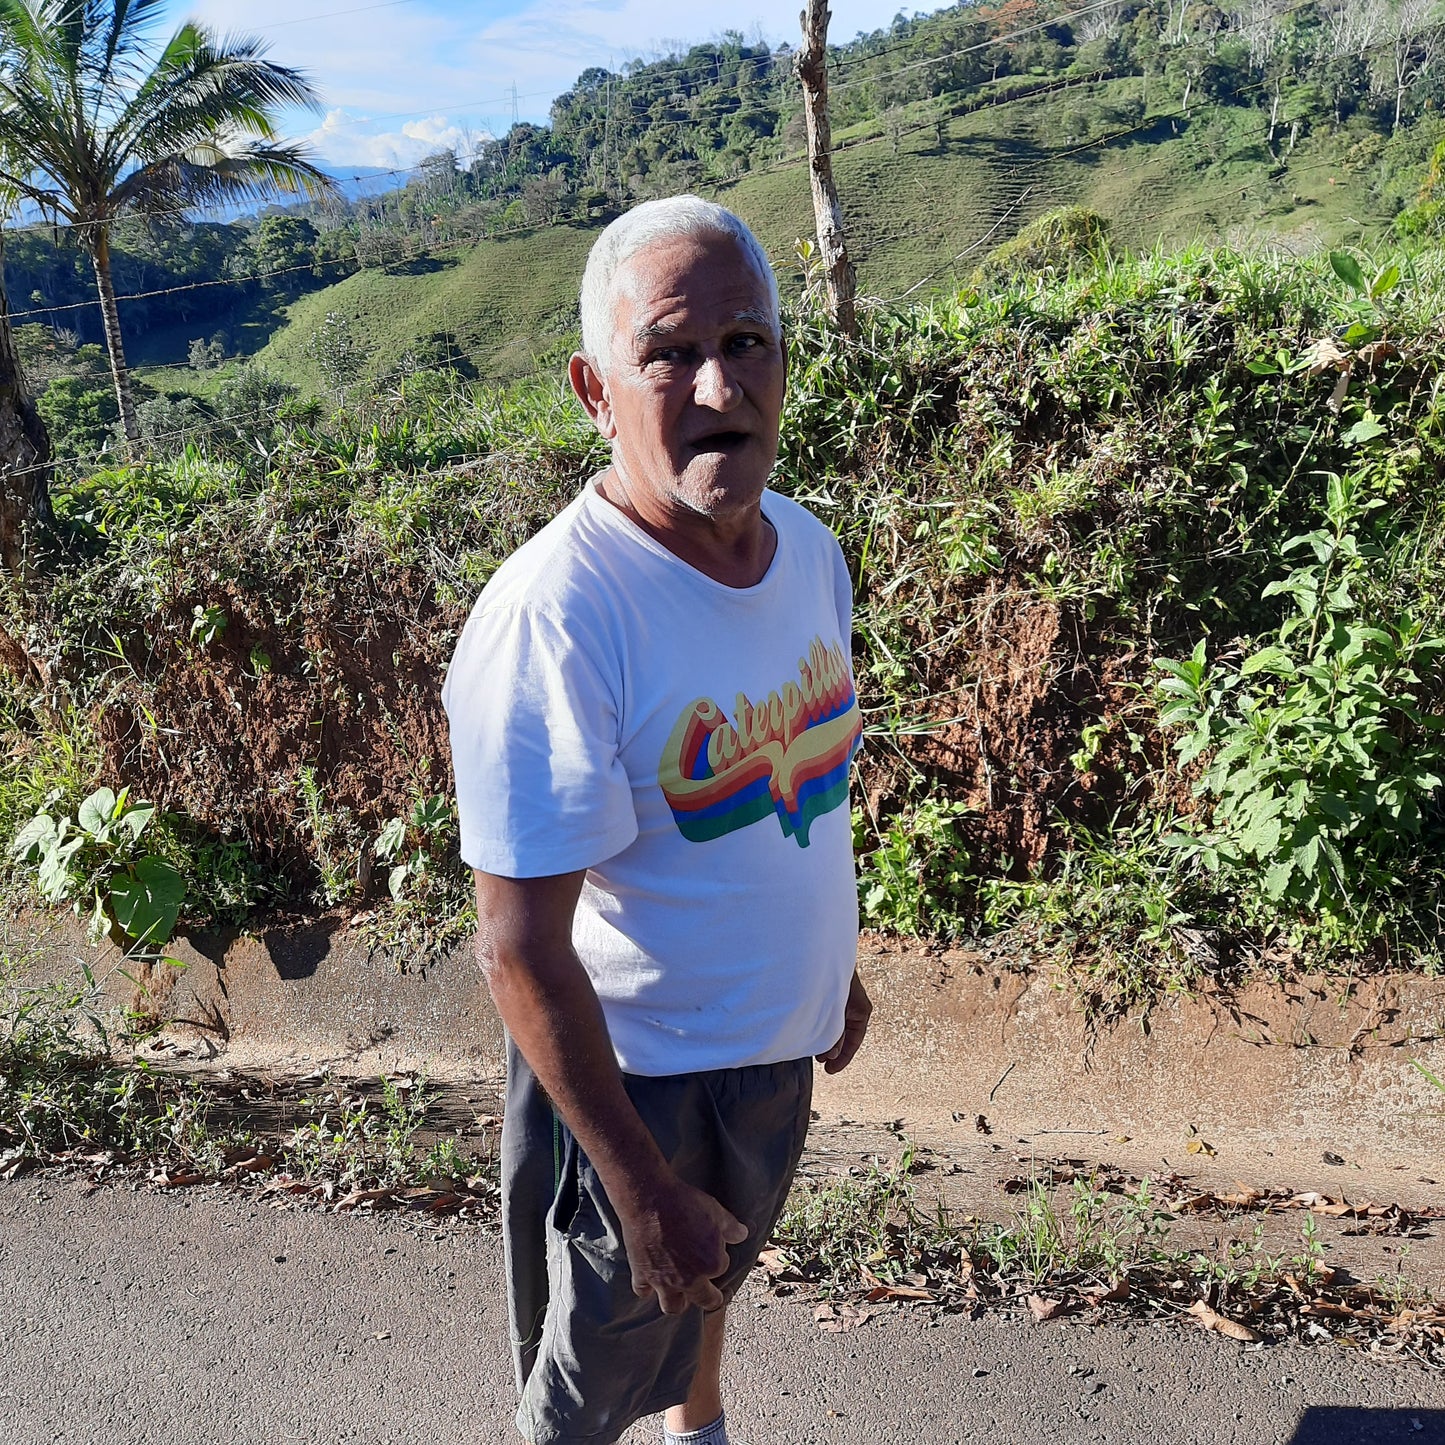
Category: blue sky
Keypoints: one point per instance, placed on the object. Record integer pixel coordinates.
(400, 78)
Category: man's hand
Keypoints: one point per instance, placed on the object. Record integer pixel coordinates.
(855, 1026)
(676, 1244)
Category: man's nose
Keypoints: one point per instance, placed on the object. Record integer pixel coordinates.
(714, 387)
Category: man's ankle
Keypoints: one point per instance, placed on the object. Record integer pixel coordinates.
(714, 1434)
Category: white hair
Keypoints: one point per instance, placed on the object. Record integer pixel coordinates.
(643, 226)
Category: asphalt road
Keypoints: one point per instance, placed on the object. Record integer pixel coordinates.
(207, 1316)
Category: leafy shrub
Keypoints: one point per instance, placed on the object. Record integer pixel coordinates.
(79, 415)
(1319, 755)
(917, 879)
(93, 862)
(1056, 241)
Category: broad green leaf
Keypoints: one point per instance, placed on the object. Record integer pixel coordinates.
(1365, 430)
(391, 839)
(97, 811)
(1348, 270)
(1385, 282)
(1261, 838)
(432, 813)
(55, 879)
(38, 833)
(1268, 659)
(147, 899)
(137, 819)
(1276, 879)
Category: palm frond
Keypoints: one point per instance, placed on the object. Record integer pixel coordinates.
(201, 85)
(215, 172)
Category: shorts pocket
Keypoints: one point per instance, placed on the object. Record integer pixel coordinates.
(581, 1212)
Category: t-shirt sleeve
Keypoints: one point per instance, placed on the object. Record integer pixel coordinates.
(534, 730)
(843, 599)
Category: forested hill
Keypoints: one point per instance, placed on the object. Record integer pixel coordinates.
(1311, 121)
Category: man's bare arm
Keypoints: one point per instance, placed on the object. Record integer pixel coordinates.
(675, 1235)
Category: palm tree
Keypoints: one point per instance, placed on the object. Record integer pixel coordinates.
(105, 124)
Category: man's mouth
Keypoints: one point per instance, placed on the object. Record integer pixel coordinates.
(725, 442)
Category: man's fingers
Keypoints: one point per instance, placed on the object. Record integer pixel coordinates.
(674, 1302)
(707, 1295)
(840, 1057)
(733, 1230)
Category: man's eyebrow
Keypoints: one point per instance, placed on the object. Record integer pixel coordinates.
(758, 316)
(653, 332)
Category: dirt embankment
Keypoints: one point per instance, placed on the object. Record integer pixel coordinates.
(302, 724)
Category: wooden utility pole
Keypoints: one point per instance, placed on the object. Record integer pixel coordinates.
(812, 67)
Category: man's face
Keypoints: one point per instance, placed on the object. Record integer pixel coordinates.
(693, 390)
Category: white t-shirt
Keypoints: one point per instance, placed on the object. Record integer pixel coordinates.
(688, 744)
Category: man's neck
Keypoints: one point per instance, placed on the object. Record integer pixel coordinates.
(736, 549)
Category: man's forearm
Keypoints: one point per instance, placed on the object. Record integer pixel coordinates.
(551, 1011)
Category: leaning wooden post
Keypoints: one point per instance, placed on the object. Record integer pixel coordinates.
(812, 67)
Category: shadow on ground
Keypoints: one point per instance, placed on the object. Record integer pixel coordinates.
(1348, 1425)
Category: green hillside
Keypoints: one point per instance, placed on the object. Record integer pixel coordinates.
(920, 213)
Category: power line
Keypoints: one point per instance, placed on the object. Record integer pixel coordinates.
(335, 14)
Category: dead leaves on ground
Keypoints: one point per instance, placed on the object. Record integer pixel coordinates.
(1176, 1195)
(1263, 1302)
(1212, 1320)
(474, 1198)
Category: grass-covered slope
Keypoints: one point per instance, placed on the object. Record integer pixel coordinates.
(920, 217)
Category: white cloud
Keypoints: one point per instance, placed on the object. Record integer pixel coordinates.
(346, 139)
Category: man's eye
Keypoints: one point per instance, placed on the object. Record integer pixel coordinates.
(746, 343)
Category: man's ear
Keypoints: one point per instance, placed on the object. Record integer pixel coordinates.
(591, 389)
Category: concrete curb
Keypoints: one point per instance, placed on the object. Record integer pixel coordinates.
(1307, 1066)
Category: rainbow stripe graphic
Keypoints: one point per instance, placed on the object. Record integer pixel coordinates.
(788, 755)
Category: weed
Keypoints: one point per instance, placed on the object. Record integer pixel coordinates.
(337, 866)
(94, 862)
(917, 879)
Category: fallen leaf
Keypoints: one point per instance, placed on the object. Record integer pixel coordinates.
(1330, 1157)
(1221, 1324)
(1111, 1293)
(163, 1179)
(1201, 1146)
(834, 1319)
(982, 1125)
(1244, 1196)
(1323, 355)
(1046, 1309)
(898, 1291)
(1325, 1307)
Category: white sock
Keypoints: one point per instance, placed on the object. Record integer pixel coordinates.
(714, 1434)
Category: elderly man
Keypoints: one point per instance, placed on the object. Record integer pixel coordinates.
(652, 718)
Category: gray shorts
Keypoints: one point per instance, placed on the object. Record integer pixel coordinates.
(591, 1357)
